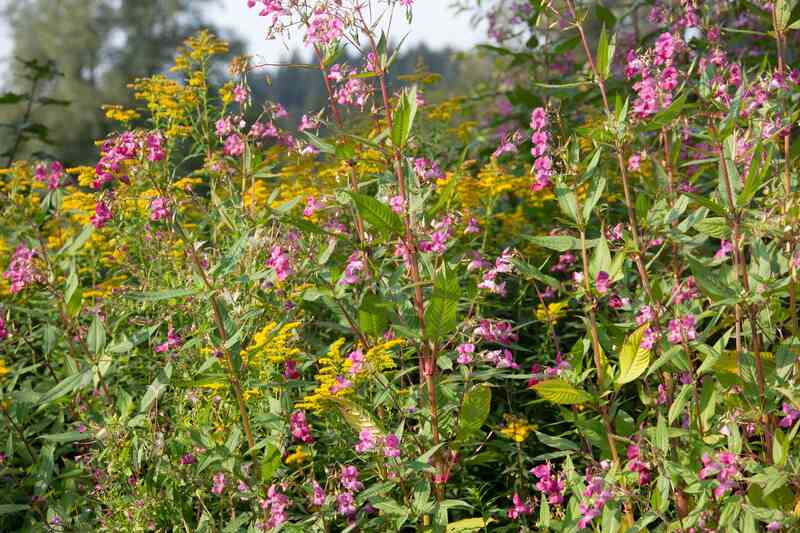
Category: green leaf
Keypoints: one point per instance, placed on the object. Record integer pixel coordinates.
(468, 524)
(783, 13)
(441, 315)
(716, 227)
(474, 410)
(66, 386)
(556, 442)
(633, 359)
(10, 98)
(661, 439)
(97, 335)
(357, 417)
(561, 392)
(321, 145)
(676, 409)
(377, 214)
(559, 243)
(666, 116)
(13, 508)
(163, 295)
(72, 246)
(63, 438)
(270, 462)
(707, 202)
(605, 53)
(595, 193)
(156, 388)
(403, 117)
(372, 315)
(754, 176)
(567, 201)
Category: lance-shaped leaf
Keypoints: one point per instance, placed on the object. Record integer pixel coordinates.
(605, 53)
(474, 410)
(561, 392)
(403, 117)
(633, 359)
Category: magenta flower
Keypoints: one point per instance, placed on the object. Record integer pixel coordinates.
(602, 282)
(234, 145)
(52, 176)
(357, 360)
(276, 502)
(318, 497)
(355, 266)
(159, 209)
(279, 263)
(550, 485)
(21, 271)
(346, 504)
(299, 427)
(791, 415)
(173, 342)
(680, 328)
(3, 330)
(538, 119)
(391, 445)
(518, 507)
(465, 352)
(635, 162)
(155, 147)
(219, 484)
(349, 478)
(290, 370)
(366, 441)
(397, 204)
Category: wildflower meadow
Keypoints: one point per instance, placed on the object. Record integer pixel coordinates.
(563, 298)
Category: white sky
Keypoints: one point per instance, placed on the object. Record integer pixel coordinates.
(435, 23)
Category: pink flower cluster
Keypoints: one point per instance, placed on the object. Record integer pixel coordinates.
(280, 263)
(635, 464)
(540, 139)
(368, 441)
(550, 484)
(498, 331)
(349, 481)
(724, 469)
(324, 27)
(349, 90)
(299, 427)
(791, 415)
(500, 358)
(518, 507)
(657, 73)
(172, 343)
(218, 485)
(102, 214)
(51, 176)
(3, 330)
(465, 352)
(114, 153)
(159, 209)
(356, 265)
(21, 271)
(276, 503)
(427, 171)
(597, 496)
(502, 265)
(442, 232)
(682, 327)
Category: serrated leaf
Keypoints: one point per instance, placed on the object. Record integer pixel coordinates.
(357, 417)
(633, 359)
(561, 392)
(377, 214)
(474, 410)
(441, 315)
(372, 317)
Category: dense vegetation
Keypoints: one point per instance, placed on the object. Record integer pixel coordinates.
(561, 297)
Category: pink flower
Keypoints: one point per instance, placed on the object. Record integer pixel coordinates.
(366, 441)
(349, 478)
(397, 204)
(290, 370)
(465, 352)
(602, 282)
(355, 266)
(102, 214)
(158, 209)
(682, 327)
(472, 226)
(646, 314)
(240, 94)
(318, 497)
(279, 262)
(155, 147)
(3, 330)
(538, 119)
(21, 272)
(173, 342)
(276, 502)
(51, 177)
(391, 445)
(357, 360)
(635, 162)
(219, 484)
(234, 145)
(299, 427)
(346, 504)
(223, 127)
(518, 507)
(791, 415)
(725, 248)
(307, 123)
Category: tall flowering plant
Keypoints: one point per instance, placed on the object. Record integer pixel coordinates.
(564, 302)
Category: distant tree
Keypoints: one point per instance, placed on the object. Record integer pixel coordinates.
(100, 46)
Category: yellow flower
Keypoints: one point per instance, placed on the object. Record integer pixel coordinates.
(120, 114)
(86, 175)
(554, 312)
(299, 457)
(3, 369)
(517, 429)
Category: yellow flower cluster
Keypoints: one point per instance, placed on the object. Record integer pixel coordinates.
(120, 114)
(3, 369)
(445, 110)
(554, 311)
(197, 49)
(168, 101)
(298, 457)
(335, 367)
(273, 344)
(86, 175)
(331, 366)
(516, 429)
